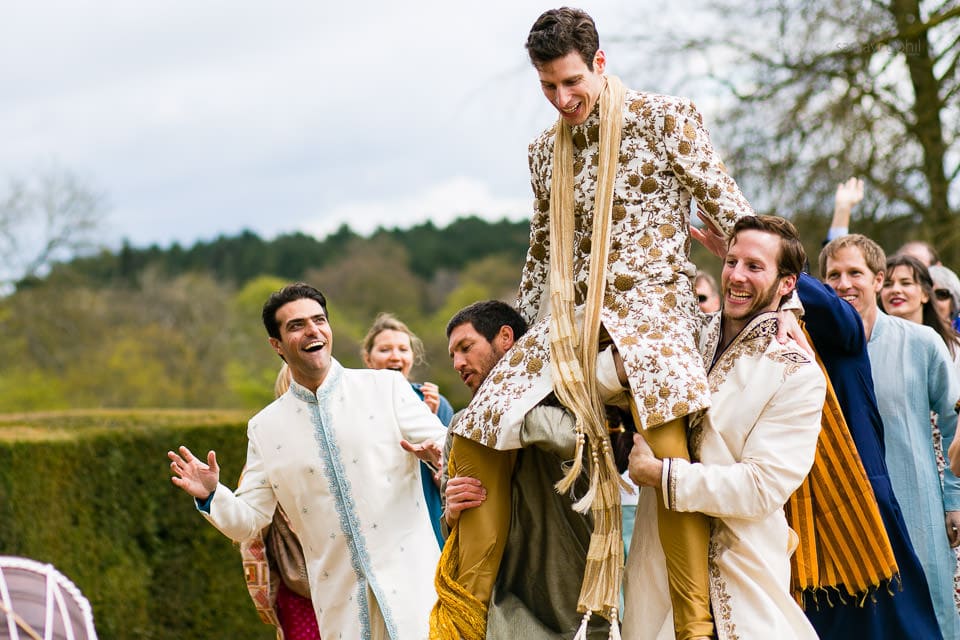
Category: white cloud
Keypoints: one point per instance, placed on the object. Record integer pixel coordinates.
(200, 119)
(441, 203)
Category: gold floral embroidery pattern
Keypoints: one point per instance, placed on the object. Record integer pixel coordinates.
(649, 305)
(751, 343)
(695, 434)
(719, 597)
(792, 359)
(509, 380)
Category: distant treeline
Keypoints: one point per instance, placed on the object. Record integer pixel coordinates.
(180, 327)
(241, 258)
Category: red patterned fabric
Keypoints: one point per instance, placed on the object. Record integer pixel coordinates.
(297, 618)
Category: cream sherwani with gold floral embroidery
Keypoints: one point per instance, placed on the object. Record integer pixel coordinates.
(353, 496)
(649, 310)
(755, 446)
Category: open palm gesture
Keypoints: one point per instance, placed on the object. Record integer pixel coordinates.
(196, 477)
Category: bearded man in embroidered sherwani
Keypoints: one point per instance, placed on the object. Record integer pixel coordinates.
(334, 452)
(613, 181)
(753, 449)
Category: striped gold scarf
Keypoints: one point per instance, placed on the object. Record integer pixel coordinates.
(842, 538)
(573, 356)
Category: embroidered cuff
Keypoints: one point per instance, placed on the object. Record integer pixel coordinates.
(667, 483)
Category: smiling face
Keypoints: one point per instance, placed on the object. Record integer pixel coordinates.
(902, 295)
(751, 282)
(848, 274)
(306, 341)
(572, 87)
(391, 350)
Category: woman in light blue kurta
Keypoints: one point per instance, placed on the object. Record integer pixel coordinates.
(913, 375)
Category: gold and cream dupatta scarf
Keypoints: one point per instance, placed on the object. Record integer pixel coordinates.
(574, 354)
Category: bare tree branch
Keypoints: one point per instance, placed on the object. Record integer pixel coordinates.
(830, 89)
(51, 217)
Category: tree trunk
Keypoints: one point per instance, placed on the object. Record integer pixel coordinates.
(927, 124)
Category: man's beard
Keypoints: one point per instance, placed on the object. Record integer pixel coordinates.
(488, 366)
(760, 302)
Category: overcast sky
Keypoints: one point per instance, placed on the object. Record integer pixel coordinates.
(206, 118)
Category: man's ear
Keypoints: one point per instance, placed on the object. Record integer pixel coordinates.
(878, 281)
(276, 345)
(504, 337)
(599, 62)
(787, 285)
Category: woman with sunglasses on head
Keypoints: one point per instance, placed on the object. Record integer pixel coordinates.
(708, 296)
(909, 292)
(946, 294)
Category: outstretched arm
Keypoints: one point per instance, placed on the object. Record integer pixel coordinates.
(194, 476)
(849, 194)
(427, 451)
(418, 424)
(698, 167)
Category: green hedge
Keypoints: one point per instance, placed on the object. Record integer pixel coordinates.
(89, 492)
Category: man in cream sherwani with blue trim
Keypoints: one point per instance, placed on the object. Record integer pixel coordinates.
(335, 452)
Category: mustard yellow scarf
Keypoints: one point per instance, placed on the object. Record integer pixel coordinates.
(842, 538)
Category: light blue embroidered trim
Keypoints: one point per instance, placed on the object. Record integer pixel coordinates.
(342, 493)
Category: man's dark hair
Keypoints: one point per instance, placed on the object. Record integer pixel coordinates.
(289, 293)
(792, 255)
(558, 32)
(487, 317)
